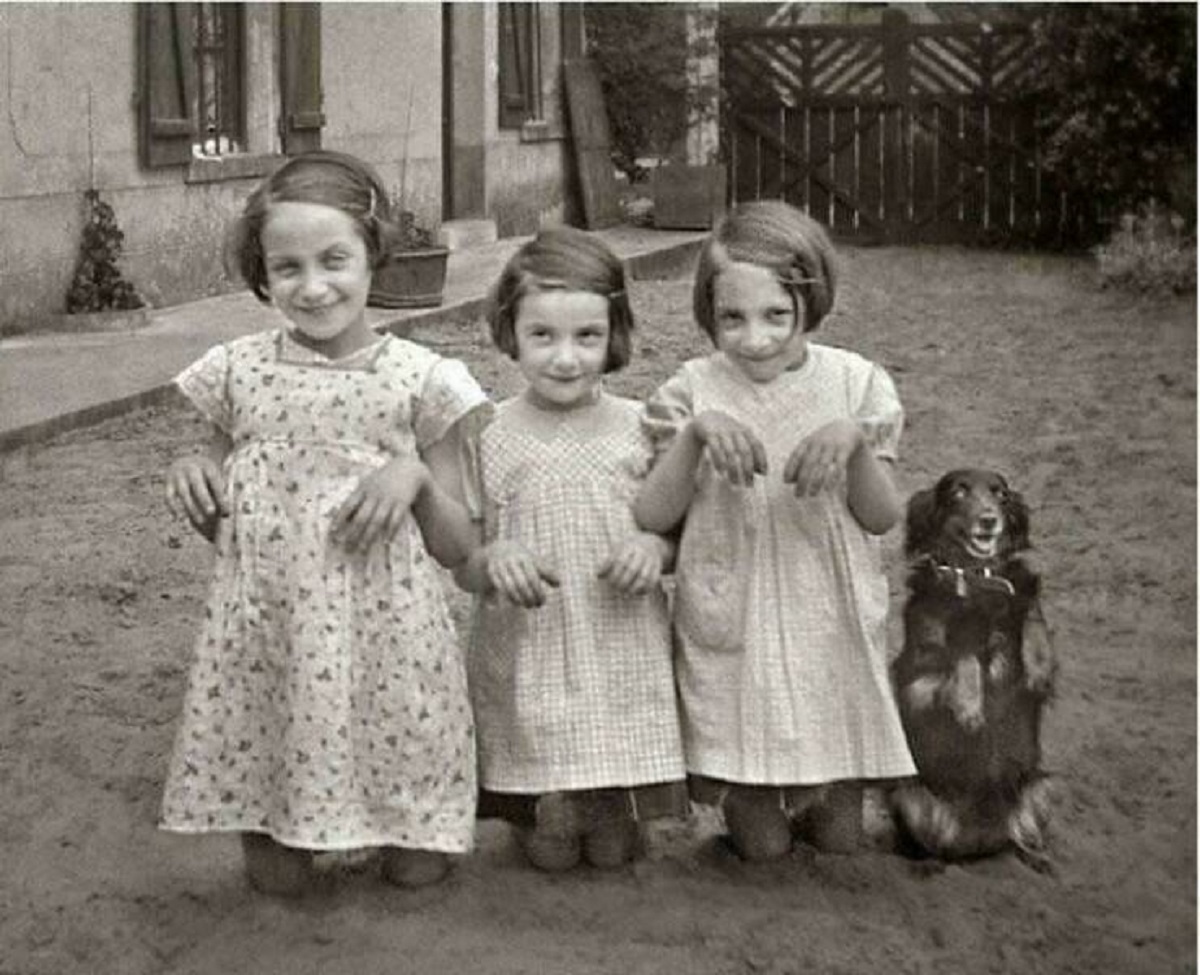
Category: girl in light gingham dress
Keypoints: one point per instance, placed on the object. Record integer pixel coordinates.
(776, 453)
(570, 662)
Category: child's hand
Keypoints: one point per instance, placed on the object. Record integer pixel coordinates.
(518, 575)
(196, 491)
(635, 564)
(735, 452)
(819, 462)
(379, 504)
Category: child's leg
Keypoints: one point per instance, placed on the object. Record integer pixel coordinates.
(273, 868)
(613, 837)
(757, 822)
(406, 867)
(835, 824)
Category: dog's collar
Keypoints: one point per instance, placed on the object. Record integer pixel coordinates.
(962, 578)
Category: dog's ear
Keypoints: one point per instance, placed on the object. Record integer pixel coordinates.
(1016, 518)
(920, 523)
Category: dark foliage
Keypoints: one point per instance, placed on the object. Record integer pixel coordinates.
(97, 284)
(640, 50)
(1117, 93)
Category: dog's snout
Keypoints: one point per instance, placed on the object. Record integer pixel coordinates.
(989, 521)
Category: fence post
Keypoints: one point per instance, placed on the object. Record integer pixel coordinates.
(894, 29)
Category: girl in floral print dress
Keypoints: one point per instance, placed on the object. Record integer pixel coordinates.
(776, 455)
(327, 705)
(570, 660)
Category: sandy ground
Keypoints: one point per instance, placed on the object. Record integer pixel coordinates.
(1086, 399)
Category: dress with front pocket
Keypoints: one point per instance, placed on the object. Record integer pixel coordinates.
(781, 601)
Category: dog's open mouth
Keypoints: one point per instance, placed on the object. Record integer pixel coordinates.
(983, 544)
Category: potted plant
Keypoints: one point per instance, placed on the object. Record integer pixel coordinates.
(413, 274)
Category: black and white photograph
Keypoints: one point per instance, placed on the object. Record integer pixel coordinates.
(609, 488)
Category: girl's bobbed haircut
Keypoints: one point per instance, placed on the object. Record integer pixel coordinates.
(334, 179)
(565, 259)
(777, 236)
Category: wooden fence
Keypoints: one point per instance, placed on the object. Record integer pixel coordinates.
(892, 133)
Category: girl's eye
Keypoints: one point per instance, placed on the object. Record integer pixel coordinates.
(335, 261)
(779, 315)
(280, 270)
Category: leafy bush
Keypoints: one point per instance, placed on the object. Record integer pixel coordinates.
(1149, 252)
(97, 284)
(640, 51)
(1116, 89)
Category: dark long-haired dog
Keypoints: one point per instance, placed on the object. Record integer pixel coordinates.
(975, 673)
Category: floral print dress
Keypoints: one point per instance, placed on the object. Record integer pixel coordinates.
(327, 703)
(781, 601)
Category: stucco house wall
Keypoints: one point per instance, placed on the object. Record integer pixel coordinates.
(68, 119)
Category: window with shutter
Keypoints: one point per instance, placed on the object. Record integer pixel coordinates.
(302, 119)
(519, 64)
(167, 104)
(196, 80)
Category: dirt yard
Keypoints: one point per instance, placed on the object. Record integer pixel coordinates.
(1086, 399)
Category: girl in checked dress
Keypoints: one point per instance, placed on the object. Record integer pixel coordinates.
(570, 662)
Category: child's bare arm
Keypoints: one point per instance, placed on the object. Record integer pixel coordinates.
(840, 450)
(735, 453)
(383, 499)
(871, 492)
(196, 487)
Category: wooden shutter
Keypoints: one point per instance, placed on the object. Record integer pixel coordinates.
(302, 118)
(517, 51)
(167, 69)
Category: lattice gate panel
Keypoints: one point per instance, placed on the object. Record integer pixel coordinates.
(893, 133)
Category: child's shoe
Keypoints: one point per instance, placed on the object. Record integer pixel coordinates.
(834, 824)
(552, 852)
(273, 868)
(758, 825)
(413, 868)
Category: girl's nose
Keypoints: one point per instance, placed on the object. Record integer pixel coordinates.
(757, 337)
(565, 354)
(312, 285)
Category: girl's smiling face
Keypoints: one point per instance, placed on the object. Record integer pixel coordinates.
(562, 346)
(758, 325)
(318, 275)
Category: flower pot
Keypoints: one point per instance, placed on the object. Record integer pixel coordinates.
(688, 197)
(410, 279)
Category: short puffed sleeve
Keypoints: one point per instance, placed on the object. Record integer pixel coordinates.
(668, 410)
(879, 413)
(448, 393)
(206, 384)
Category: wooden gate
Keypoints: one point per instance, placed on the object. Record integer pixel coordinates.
(891, 133)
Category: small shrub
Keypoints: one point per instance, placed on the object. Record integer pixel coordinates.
(97, 284)
(1149, 252)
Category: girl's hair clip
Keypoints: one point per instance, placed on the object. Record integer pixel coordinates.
(371, 214)
(796, 280)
